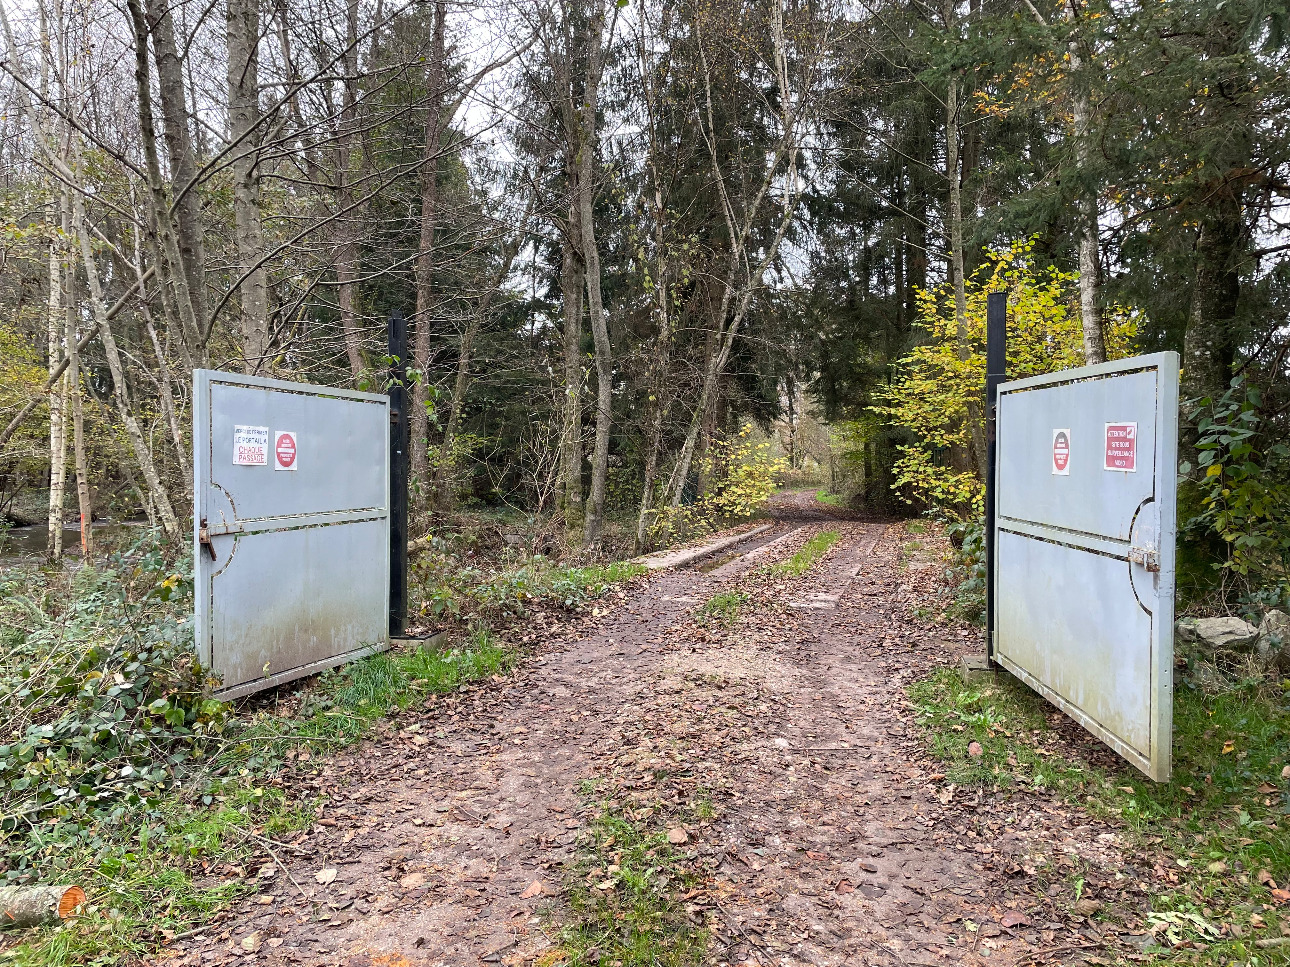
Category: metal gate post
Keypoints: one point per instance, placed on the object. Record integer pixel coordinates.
(398, 351)
(996, 366)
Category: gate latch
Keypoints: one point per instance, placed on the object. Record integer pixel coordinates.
(204, 539)
(1146, 557)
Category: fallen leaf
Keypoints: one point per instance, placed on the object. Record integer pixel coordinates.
(326, 876)
(1228, 747)
(975, 750)
(1088, 906)
(1281, 896)
(413, 880)
(676, 836)
(1266, 787)
(1285, 772)
(536, 888)
(268, 871)
(265, 900)
(818, 857)
(251, 942)
(845, 886)
(1014, 918)
(1265, 878)
(1218, 866)
(275, 941)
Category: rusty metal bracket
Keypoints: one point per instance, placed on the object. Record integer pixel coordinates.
(1145, 557)
(204, 538)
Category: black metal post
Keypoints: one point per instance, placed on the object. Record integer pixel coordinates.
(996, 368)
(398, 475)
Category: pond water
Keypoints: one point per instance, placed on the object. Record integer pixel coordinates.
(25, 544)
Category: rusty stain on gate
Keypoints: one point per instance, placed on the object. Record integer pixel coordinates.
(291, 527)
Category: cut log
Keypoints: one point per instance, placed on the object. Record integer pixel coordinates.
(34, 906)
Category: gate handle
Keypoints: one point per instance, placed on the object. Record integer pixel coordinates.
(1147, 557)
(204, 539)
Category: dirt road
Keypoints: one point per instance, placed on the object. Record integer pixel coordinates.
(781, 743)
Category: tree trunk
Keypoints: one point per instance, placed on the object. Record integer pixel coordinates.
(243, 21)
(347, 239)
(1086, 207)
(957, 272)
(189, 225)
(588, 135)
(142, 454)
(57, 412)
(420, 416)
(1212, 340)
(83, 500)
(571, 289)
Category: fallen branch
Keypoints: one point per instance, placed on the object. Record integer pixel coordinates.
(35, 906)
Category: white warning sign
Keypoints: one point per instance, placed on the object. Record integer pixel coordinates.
(284, 450)
(250, 446)
(1121, 447)
(1062, 452)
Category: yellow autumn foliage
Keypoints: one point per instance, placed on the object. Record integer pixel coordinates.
(936, 394)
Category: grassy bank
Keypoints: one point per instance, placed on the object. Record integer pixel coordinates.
(119, 772)
(806, 556)
(1218, 828)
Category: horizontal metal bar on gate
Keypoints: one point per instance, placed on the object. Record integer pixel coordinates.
(1079, 540)
(265, 525)
(1117, 367)
(297, 389)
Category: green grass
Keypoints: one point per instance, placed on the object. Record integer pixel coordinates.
(624, 899)
(722, 608)
(1224, 814)
(824, 497)
(143, 877)
(807, 555)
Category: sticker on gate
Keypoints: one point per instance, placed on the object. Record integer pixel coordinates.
(250, 446)
(1121, 447)
(284, 450)
(1062, 452)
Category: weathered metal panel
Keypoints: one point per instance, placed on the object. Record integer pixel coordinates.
(300, 575)
(1085, 554)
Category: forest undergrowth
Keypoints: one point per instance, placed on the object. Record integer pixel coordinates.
(118, 771)
(1213, 842)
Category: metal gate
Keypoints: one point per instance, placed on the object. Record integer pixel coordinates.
(1084, 538)
(291, 527)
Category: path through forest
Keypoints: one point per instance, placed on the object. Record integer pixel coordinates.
(781, 743)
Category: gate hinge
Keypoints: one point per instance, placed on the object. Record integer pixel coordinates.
(1146, 557)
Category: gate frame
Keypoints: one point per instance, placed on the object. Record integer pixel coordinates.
(1167, 364)
(203, 381)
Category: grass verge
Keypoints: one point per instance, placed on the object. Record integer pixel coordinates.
(806, 556)
(118, 773)
(625, 898)
(1217, 894)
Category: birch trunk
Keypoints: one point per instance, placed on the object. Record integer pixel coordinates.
(57, 412)
(1086, 208)
(347, 241)
(84, 501)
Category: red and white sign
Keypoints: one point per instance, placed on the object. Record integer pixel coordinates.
(1121, 447)
(1062, 452)
(250, 446)
(284, 450)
